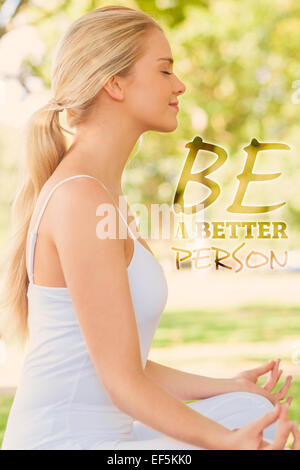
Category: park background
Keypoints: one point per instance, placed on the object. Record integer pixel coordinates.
(240, 62)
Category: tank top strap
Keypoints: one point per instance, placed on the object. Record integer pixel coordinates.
(33, 235)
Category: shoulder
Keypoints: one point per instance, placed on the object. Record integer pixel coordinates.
(76, 205)
(80, 189)
(77, 193)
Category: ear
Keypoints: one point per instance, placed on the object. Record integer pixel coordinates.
(114, 87)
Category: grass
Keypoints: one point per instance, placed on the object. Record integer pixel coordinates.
(5, 404)
(249, 323)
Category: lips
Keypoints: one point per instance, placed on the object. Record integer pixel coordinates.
(174, 105)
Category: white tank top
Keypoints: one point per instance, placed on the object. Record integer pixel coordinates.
(60, 400)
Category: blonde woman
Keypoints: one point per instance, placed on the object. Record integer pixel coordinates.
(91, 305)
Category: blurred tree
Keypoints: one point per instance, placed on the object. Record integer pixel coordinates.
(239, 62)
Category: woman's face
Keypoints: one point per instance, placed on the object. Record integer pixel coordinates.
(153, 85)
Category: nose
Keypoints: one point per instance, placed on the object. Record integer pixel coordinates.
(180, 88)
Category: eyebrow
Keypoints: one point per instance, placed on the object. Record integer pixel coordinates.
(169, 59)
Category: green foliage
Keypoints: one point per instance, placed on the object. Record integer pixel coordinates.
(238, 60)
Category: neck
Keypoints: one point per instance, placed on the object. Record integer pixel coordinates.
(102, 151)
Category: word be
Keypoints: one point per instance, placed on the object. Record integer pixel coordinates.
(245, 177)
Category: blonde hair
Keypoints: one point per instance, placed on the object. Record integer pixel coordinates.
(98, 45)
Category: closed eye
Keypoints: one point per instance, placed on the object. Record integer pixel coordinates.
(168, 73)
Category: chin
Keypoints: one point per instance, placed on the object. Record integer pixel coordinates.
(166, 128)
(172, 127)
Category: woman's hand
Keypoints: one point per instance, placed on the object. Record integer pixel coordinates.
(250, 437)
(247, 379)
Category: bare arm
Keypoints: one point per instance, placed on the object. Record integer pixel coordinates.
(96, 276)
(187, 386)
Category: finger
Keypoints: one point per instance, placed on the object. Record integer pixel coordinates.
(279, 374)
(267, 365)
(284, 389)
(289, 400)
(276, 366)
(274, 374)
(296, 436)
(283, 428)
(272, 380)
(264, 368)
(268, 418)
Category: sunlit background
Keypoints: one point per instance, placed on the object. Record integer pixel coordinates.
(240, 62)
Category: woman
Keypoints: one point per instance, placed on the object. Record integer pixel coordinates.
(94, 303)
